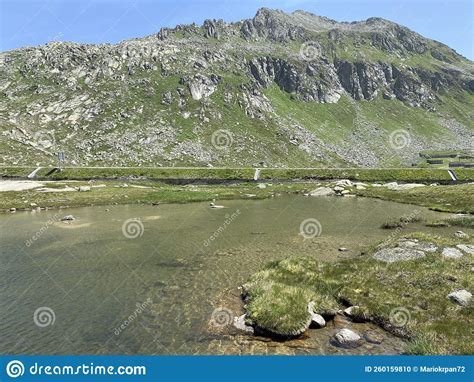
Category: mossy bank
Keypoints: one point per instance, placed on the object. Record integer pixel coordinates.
(407, 296)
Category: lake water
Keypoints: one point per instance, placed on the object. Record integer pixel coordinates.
(109, 292)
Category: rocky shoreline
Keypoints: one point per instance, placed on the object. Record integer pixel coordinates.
(292, 296)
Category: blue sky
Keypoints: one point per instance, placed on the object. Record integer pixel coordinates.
(33, 22)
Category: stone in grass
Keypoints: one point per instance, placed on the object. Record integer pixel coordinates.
(466, 248)
(392, 255)
(346, 338)
(452, 253)
(317, 321)
(84, 188)
(68, 218)
(461, 235)
(461, 297)
(349, 312)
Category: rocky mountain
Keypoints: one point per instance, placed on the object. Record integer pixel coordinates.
(284, 89)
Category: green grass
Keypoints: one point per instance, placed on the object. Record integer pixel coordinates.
(402, 222)
(457, 198)
(157, 173)
(458, 221)
(156, 193)
(434, 325)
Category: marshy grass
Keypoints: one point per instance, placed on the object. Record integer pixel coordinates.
(402, 221)
(457, 221)
(416, 289)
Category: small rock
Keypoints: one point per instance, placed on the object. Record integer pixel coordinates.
(345, 192)
(33, 204)
(452, 253)
(359, 187)
(461, 235)
(344, 183)
(373, 337)
(342, 249)
(262, 186)
(13, 209)
(349, 311)
(239, 323)
(347, 338)
(338, 189)
(68, 218)
(466, 248)
(84, 188)
(317, 320)
(461, 297)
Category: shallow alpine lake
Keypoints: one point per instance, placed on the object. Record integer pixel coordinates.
(105, 284)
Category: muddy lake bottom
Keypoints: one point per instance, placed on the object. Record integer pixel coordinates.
(131, 279)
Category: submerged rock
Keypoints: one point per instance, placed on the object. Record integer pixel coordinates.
(452, 253)
(68, 218)
(239, 323)
(346, 338)
(461, 297)
(391, 255)
(373, 337)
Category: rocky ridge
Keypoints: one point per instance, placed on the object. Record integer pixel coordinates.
(163, 99)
